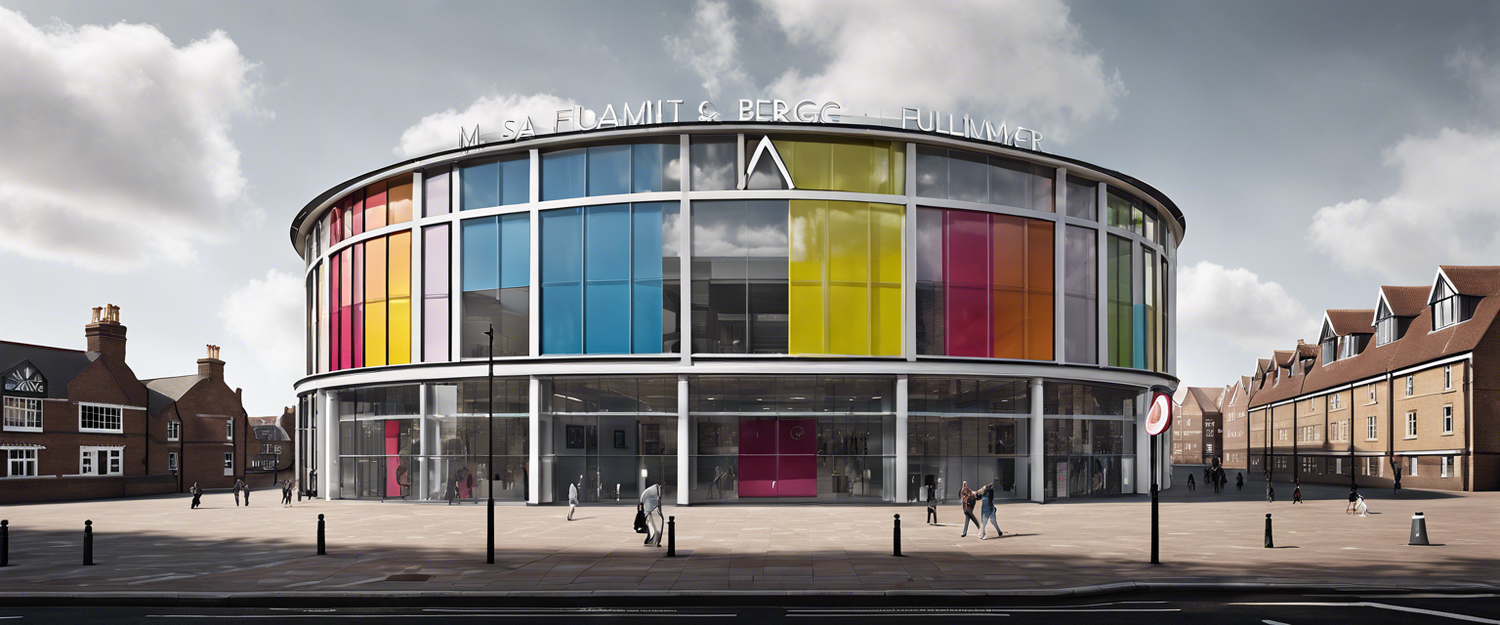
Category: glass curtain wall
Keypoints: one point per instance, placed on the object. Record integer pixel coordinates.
(966, 430)
(1081, 289)
(502, 182)
(845, 270)
(611, 170)
(370, 302)
(457, 425)
(612, 436)
(496, 285)
(974, 177)
(829, 164)
(1121, 310)
(739, 269)
(1089, 440)
(378, 442)
(715, 163)
(436, 317)
(784, 438)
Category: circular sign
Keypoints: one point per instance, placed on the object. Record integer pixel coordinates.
(797, 433)
(1160, 417)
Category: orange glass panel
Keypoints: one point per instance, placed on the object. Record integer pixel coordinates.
(375, 206)
(1039, 304)
(1009, 338)
(1039, 258)
(399, 313)
(1008, 260)
(398, 199)
(1039, 326)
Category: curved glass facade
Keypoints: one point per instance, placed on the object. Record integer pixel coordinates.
(795, 316)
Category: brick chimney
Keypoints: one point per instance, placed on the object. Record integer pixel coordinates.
(210, 366)
(105, 334)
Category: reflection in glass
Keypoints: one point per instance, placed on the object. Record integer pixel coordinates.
(714, 160)
(739, 246)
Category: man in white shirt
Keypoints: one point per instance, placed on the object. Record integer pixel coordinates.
(572, 499)
(651, 502)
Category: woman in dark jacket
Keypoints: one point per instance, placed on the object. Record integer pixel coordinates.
(197, 495)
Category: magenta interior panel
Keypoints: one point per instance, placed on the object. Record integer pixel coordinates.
(393, 460)
(966, 266)
(797, 476)
(335, 344)
(757, 436)
(757, 476)
(357, 328)
(796, 436)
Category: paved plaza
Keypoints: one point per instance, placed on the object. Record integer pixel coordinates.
(159, 545)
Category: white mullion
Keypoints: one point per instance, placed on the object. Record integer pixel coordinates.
(418, 295)
(684, 254)
(534, 272)
(455, 266)
(909, 262)
(1059, 204)
(1101, 261)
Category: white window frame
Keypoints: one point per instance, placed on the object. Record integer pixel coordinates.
(1411, 385)
(1414, 465)
(1411, 424)
(229, 430)
(172, 462)
(22, 410)
(1448, 377)
(1371, 429)
(1372, 393)
(114, 460)
(28, 458)
(228, 463)
(120, 411)
(1445, 462)
(1448, 419)
(174, 430)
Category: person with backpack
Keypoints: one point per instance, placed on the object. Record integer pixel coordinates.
(651, 503)
(931, 504)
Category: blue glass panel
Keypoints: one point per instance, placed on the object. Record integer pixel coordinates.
(515, 250)
(646, 287)
(481, 252)
(515, 181)
(562, 318)
(609, 170)
(481, 186)
(645, 173)
(563, 174)
(607, 329)
(608, 242)
(645, 240)
(562, 245)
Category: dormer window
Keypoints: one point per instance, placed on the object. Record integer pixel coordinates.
(1348, 346)
(1448, 307)
(1385, 325)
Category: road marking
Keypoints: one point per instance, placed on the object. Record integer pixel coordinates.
(1271, 622)
(1379, 606)
(428, 616)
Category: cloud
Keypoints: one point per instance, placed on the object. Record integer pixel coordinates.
(114, 143)
(1024, 62)
(1442, 212)
(440, 131)
(1482, 75)
(1218, 307)
(264, 319)
(711, 50)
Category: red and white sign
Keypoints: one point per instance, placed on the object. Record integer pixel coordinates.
(1160, 417)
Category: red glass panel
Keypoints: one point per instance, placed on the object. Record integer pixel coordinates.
(334, 312)
(757, 436)
(966, 267)
(357, 209)
(357, 329)
(393, 460)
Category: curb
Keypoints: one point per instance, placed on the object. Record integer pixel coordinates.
(714, 597)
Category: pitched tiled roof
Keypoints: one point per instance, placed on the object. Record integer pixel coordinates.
(1405, 301)
(59, 366)
(1418, 345)
(1283, 357)
(1206, 398)
(161, 392)
(1346, 322)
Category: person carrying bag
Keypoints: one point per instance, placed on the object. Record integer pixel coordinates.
(640, 521)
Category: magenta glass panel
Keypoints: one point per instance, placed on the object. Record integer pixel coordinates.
(796, 436)
(797, 476)
(357, 329)
(966, 267)
(392, 460)
(757, 436)
(757, 476)
(334, 336)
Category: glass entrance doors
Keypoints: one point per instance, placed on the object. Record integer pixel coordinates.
(778, 458)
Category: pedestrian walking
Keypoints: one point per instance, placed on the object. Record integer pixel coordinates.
(987, 511)
(931, 504)
(968, 498)
(452, 494)
(1353, 499)
(246, 487)
(572, 499)
(651, 503)
(1398, 479)
(236, 488)
(286, 493)
(1296, 491)
(1191, 485)
(1223, 480)
(1239, 481)
(1270, 493)
(197, 495)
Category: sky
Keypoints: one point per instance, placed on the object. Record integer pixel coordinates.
(153, 154)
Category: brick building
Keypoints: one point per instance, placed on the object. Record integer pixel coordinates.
(1197, 437)
(1408, 386)
(79, 424)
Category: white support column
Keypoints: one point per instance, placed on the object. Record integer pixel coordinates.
(534, 306)
(1060, 203)
(455, 268)
(424, 401)
(534, 429)
(418, 280)
(328, 463)
(1170, 301)
(685, 252)
(1142, 445)
(1102, 240)
(1034, 448)
(684, 467)
(903, 418)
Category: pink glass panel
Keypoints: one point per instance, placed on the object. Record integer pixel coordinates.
(757, 475)
(797, 476)
(966, 267)
(393, 460)
(357, 330)
(334, 342)
(796, 436)
(757, 436)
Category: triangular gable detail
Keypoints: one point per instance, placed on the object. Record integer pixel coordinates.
(1327, 332)
(24, 379)
(1441, 280)
(765, 146)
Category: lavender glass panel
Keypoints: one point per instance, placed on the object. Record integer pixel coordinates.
(436, 195)
(435, 259)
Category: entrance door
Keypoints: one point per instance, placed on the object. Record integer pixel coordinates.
(778, 458)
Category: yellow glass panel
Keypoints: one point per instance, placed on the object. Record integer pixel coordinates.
(400, 265)
(813, 161)
(880, 167)
(849, 318)
(400, 345)
(808, 240)
(885, 319)
(848, 242)
(887, 222)
(375, 333)
(850, 167)
(398, 199)
(805, 323)
(898, 169)
(375, 267)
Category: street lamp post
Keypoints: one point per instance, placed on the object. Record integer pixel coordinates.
(490, 466)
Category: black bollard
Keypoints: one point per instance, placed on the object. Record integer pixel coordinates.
(1418, 530)
(4, 542)
(88, 543)
(322, 543)
(1269, 544)
(896, 537)
(671, 537)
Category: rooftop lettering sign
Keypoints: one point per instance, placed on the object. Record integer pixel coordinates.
(780, 111)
